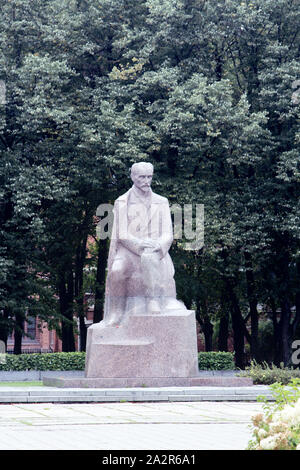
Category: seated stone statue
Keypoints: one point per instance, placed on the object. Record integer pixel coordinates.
(140, 276)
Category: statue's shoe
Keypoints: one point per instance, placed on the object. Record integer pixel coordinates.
(113, 320)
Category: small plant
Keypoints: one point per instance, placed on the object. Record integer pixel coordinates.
(278, 427)
(267, 375)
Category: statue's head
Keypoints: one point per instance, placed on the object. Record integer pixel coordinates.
(141, 175)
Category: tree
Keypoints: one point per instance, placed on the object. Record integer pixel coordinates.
(207, 91)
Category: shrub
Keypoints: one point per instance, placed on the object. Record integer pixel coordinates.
(278, 427)
(266, 375)
(76, 361)
(216, 360)
(46, 361)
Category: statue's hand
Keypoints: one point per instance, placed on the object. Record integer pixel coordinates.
(150, 245)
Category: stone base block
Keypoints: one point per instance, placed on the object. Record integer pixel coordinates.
(144, 346)
(129, 382)
(145, 351)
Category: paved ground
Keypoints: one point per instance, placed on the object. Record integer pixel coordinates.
(122, 426)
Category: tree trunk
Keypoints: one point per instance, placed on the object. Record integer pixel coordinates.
(223, 333)
(276, 335)
(208, 334)
(285, 332)
(79, 294)
(284, 289)
(224, 323)
(254, 350)
(66, 309)
(18, 333)
(238, 326)
(100, 281)
(296, 320)
(206, 326)
(4, 316)
(82, 326)
(238, 338)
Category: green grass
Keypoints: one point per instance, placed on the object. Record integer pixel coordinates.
(21, 384)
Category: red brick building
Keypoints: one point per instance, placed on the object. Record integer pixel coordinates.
(37, 338)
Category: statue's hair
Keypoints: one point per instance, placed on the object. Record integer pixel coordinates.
(135, 166)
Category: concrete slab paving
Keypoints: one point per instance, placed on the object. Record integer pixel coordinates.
(127, 426)
(131, 437)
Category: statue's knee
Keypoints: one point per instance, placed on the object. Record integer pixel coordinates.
(118, 269)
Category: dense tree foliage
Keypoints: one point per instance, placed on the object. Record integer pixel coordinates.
(207, 91)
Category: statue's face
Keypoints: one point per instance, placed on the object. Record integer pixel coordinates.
(142, 178)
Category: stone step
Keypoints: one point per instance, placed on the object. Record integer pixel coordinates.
(116, 382)
(138, 394)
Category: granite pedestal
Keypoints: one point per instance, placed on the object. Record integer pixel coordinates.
(144, 346)
(144, 351)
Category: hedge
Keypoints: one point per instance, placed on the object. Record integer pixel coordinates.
(45, 361)
(76, 361)
(216, 360)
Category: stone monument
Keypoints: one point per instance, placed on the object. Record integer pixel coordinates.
(146, 333)
(147, 337)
